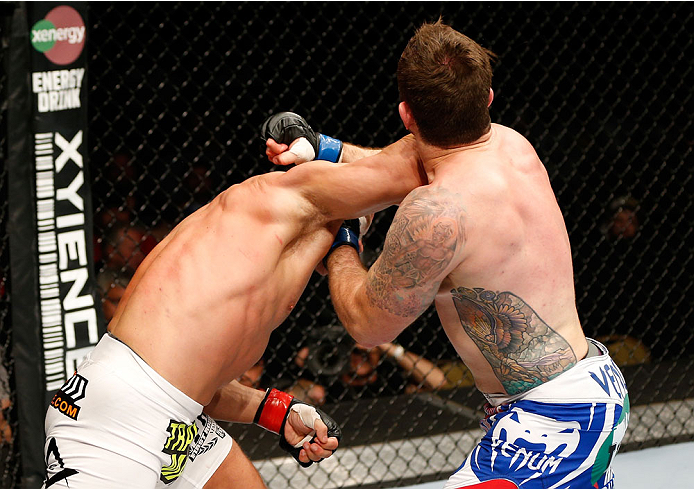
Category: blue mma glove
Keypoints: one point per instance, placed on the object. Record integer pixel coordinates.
(348, 234)
(287, 127)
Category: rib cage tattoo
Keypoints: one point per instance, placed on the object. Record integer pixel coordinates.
(521, 348)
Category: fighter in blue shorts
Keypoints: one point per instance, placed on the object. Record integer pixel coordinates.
(563, 433)
(486, 242)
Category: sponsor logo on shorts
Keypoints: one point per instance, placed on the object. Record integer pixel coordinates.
(528, 449)
(181, 435)
(208, 437)
(610, 379)
(55, 467)
(65, 399)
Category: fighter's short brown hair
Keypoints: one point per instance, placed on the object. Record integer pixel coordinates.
(445, 77)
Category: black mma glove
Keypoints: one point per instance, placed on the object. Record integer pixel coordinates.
(286, 127)
(272, 415)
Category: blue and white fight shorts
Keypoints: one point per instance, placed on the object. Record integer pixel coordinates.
(562, 434)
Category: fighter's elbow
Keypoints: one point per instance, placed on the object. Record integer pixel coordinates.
(369, 333)
(354, 328)
(367, 342)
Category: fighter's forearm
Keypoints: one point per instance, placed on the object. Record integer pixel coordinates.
(235, 403)
(352, 152)
(348, 191)
(347, 279)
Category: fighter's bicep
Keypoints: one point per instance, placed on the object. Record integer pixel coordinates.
(344, 191)
(422, 246)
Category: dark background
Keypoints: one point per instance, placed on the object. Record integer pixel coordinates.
(178, 92)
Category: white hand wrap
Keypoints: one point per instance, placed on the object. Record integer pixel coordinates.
(303, 150)
(308, 415)
(397, 352)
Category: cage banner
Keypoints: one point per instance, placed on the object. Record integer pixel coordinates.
(54, 217)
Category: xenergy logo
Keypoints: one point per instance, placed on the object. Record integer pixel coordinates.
(60, 36)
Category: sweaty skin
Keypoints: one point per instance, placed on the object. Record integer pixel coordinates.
(201, 307)
(486, 241)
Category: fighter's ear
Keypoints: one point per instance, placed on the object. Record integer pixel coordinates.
(491, 96)
(406, 115)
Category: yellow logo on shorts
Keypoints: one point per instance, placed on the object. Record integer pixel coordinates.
(181, 436)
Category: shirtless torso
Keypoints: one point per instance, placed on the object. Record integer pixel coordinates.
(512, 288)
(197, 314)
(201, 307)
(486, 240)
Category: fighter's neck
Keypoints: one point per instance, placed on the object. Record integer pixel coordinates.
(435, 159)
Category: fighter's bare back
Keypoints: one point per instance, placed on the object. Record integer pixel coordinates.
(515, 269)
(201, 307)
(486, 240)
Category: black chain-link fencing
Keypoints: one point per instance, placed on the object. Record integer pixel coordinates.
(177, 94)
(9, 448)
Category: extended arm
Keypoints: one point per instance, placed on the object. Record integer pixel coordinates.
(422, 247)
(352, 152)
(290, 140)
(373, 180)
(282, 154)
(345, 191)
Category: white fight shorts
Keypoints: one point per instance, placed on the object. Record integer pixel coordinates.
(561, 434)
(118, 424)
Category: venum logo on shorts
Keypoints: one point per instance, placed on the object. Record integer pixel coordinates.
(64, 400)
(526, 446)
(181, 436)
(611, 381)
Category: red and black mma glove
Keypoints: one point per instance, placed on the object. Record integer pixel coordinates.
(272, 415)
(286, 127)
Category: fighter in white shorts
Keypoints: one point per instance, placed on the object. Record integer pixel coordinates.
(145, 427)
(159, 435)
(197, 314)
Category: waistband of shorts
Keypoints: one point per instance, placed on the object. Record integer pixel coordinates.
(129, 366)
(595, 349)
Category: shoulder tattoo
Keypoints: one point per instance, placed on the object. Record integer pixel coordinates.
(422, 241)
